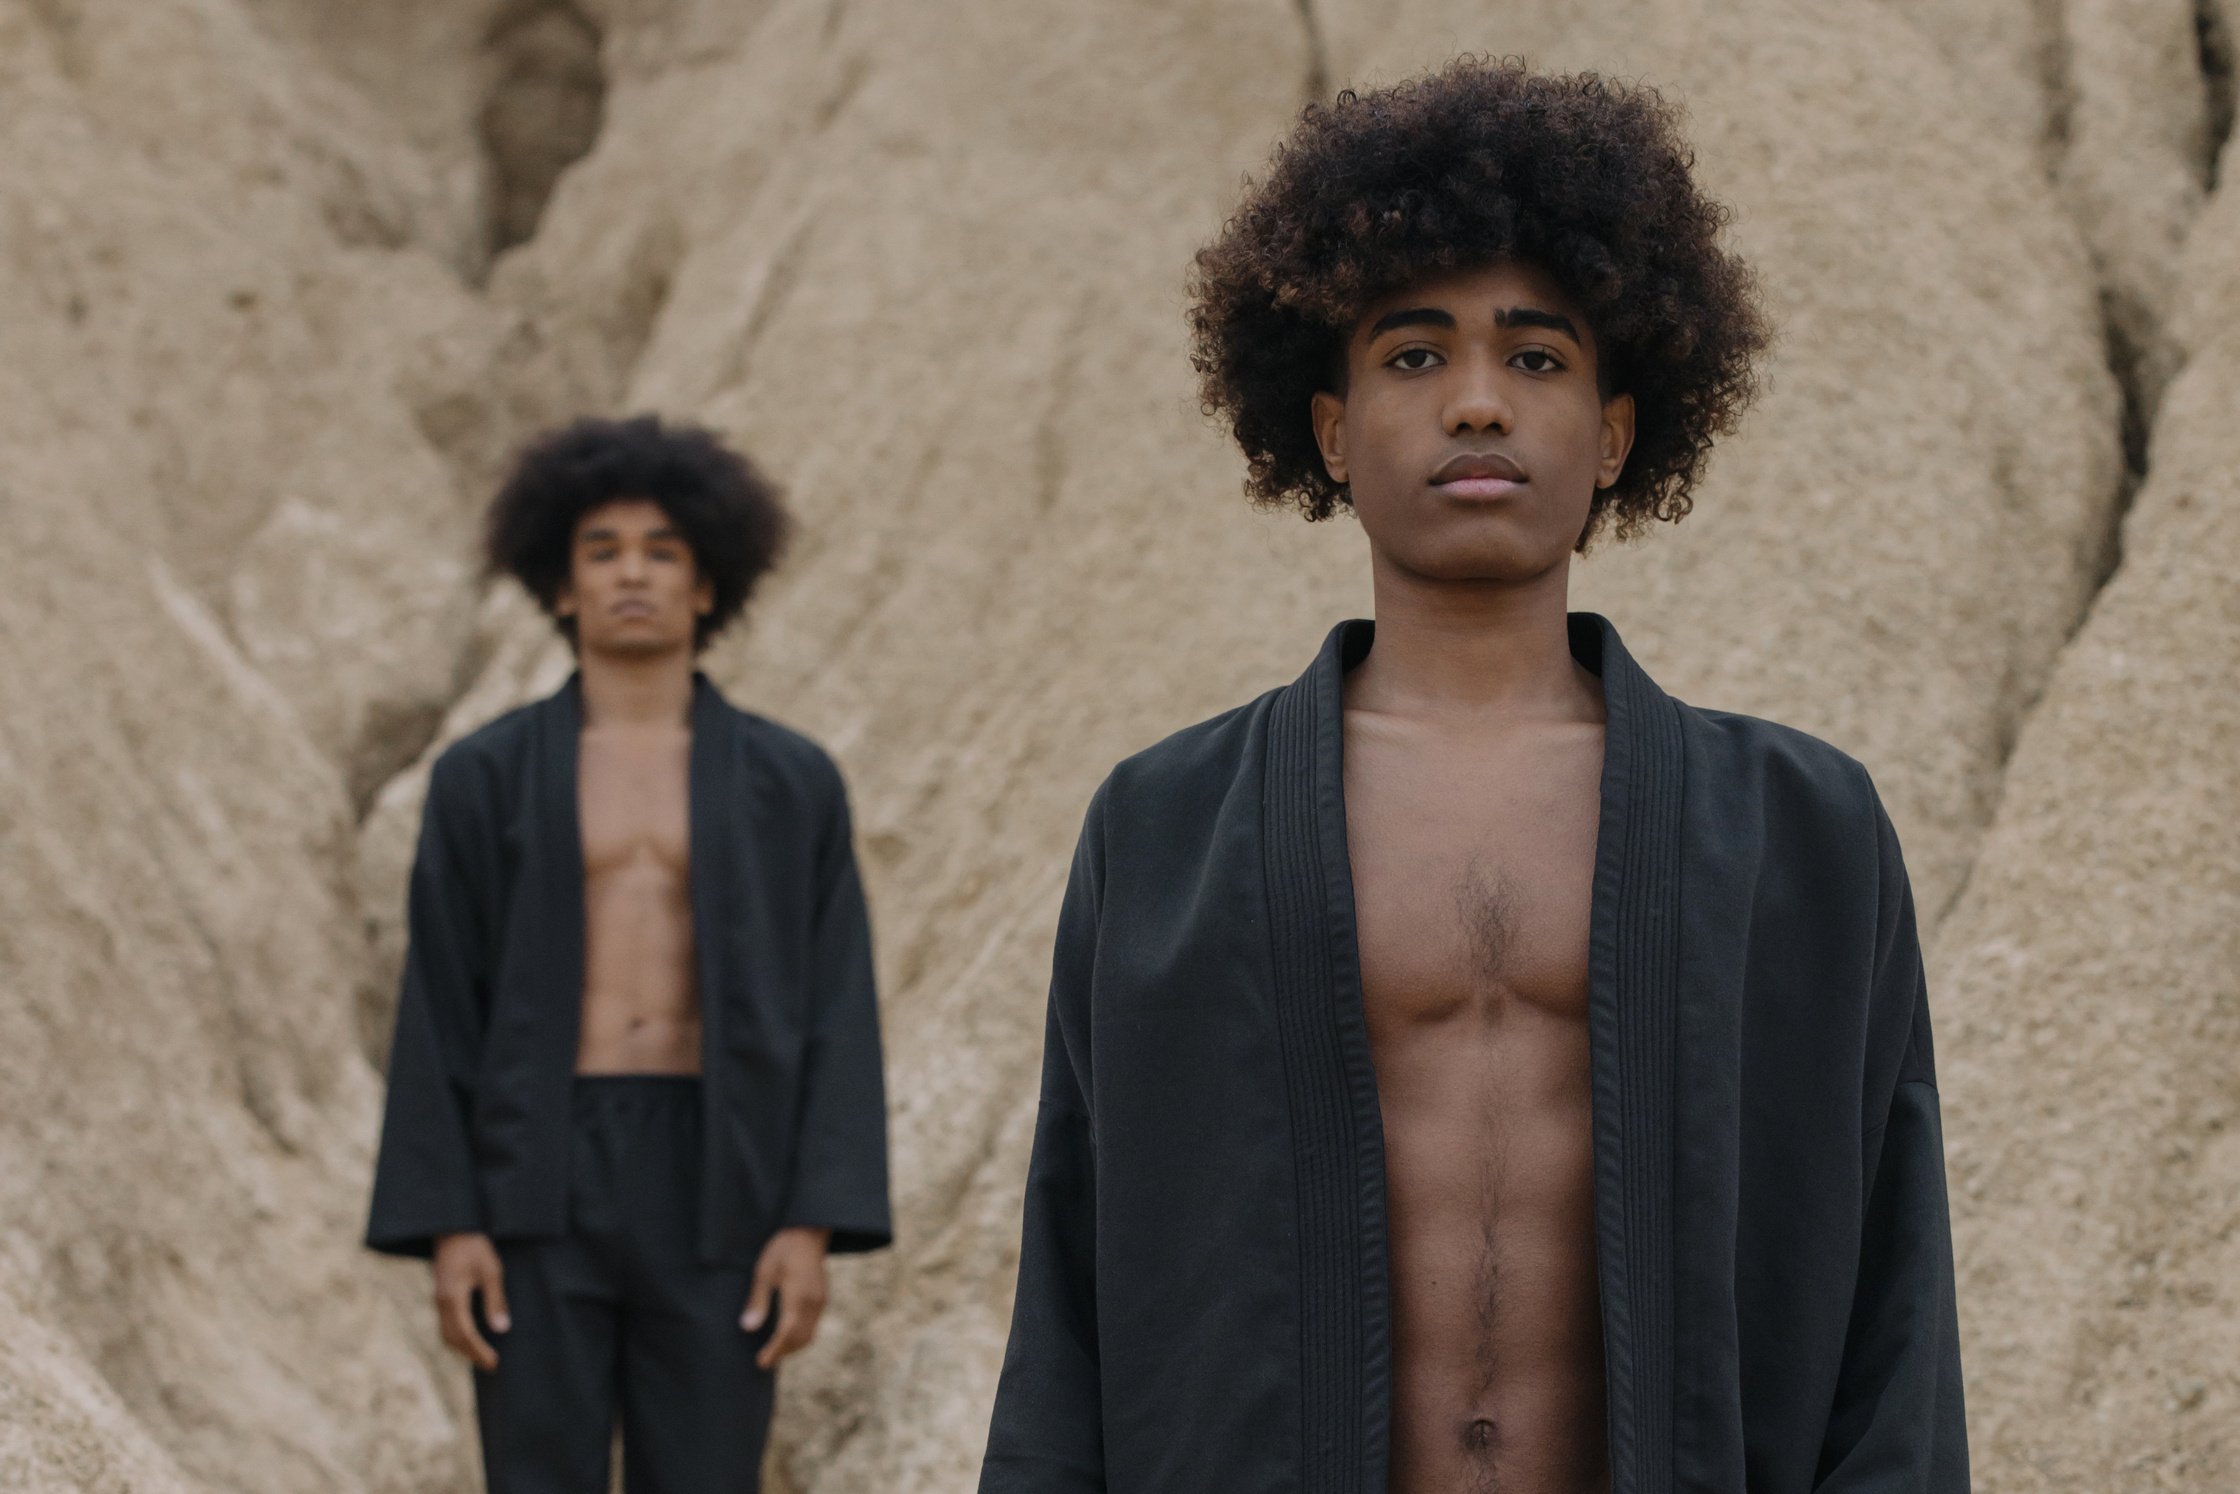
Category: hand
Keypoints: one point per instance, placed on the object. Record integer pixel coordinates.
(792, 1266)
(465, 1265)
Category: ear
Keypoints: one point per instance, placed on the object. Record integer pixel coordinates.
(703, 596)
(1329, 415)
(564, 600)
(1617, 439)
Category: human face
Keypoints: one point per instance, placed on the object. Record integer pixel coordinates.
(1471, 433)
(633, 588)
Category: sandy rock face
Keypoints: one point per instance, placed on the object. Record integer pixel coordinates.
(2128, 103)
(268, 348)
(299, 383)
(186, 1112)
(234, 601)
(2093, 994)
(62, 1429)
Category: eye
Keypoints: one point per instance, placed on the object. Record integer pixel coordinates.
(1413, 360)
(1547, 362)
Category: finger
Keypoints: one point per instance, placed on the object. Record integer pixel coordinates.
(494, 1296)
(778, 1347)
(460, 1333)
(797, 1324)
(478, 1349)
(447, 1328)
(758, 1301)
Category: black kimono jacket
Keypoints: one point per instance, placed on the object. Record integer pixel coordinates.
(1203, 1305)
(477, 1131)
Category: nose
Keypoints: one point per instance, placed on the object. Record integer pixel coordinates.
(633, 566)
(1476, 402)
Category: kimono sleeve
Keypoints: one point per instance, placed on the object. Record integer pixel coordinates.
(1897, 1423)
(424, 1183)
(840, 1159)
(1047, 1434)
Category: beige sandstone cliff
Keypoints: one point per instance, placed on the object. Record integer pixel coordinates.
(263, 357)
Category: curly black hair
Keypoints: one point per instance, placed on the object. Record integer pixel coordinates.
(730, 515)
(1479, 163)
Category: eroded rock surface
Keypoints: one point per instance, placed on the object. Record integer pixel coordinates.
(235, 600)
(2092, 993)
(927, 263)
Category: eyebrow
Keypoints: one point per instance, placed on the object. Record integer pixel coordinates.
(1514, 316)
(604, 534)
(1533, 316)
(1411, 316)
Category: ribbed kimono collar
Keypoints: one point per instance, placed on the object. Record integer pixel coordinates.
(1633, 974)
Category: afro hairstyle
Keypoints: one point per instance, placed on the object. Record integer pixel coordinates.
(1480, 163)
(730, 515)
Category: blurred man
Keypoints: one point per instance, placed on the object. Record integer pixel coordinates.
(1469, 1068)
(634, 1092)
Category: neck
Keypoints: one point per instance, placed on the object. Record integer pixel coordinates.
(637, 690)
(1473, 648)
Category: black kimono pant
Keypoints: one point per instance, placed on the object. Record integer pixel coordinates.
(619, 1318)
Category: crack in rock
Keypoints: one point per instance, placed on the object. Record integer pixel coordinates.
(542, 115)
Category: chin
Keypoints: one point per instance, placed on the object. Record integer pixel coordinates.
(1508, 559)
(1507, 543)
(639, 645)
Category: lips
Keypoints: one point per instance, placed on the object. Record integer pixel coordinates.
(1478, 474)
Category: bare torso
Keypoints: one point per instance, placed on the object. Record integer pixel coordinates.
(641, 997)
(1473, 865)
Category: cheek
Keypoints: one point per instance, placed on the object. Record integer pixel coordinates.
(1386, 435)
(1576, 425)
(1402, 409)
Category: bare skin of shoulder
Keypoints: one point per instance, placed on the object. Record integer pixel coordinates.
(641, 996)
(1473, 864)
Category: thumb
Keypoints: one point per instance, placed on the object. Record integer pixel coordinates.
(758, 1298)
(494, 1296)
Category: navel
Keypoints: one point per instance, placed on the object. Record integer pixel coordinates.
(1481, 1444)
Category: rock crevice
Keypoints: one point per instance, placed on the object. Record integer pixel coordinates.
(546, 99)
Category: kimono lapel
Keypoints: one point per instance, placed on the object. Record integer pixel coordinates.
(729, 793)
(730, 802)
(1337, 1129)
(1632, 1010)
(714, 863)
(554, 833)
(1337, 1125)
(546, 1000)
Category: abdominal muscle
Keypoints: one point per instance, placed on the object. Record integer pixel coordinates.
(1497, 1351)
(641, 1001)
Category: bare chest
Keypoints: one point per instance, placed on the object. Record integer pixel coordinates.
(1473, 874)
(634, 803)
(1473, 871)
